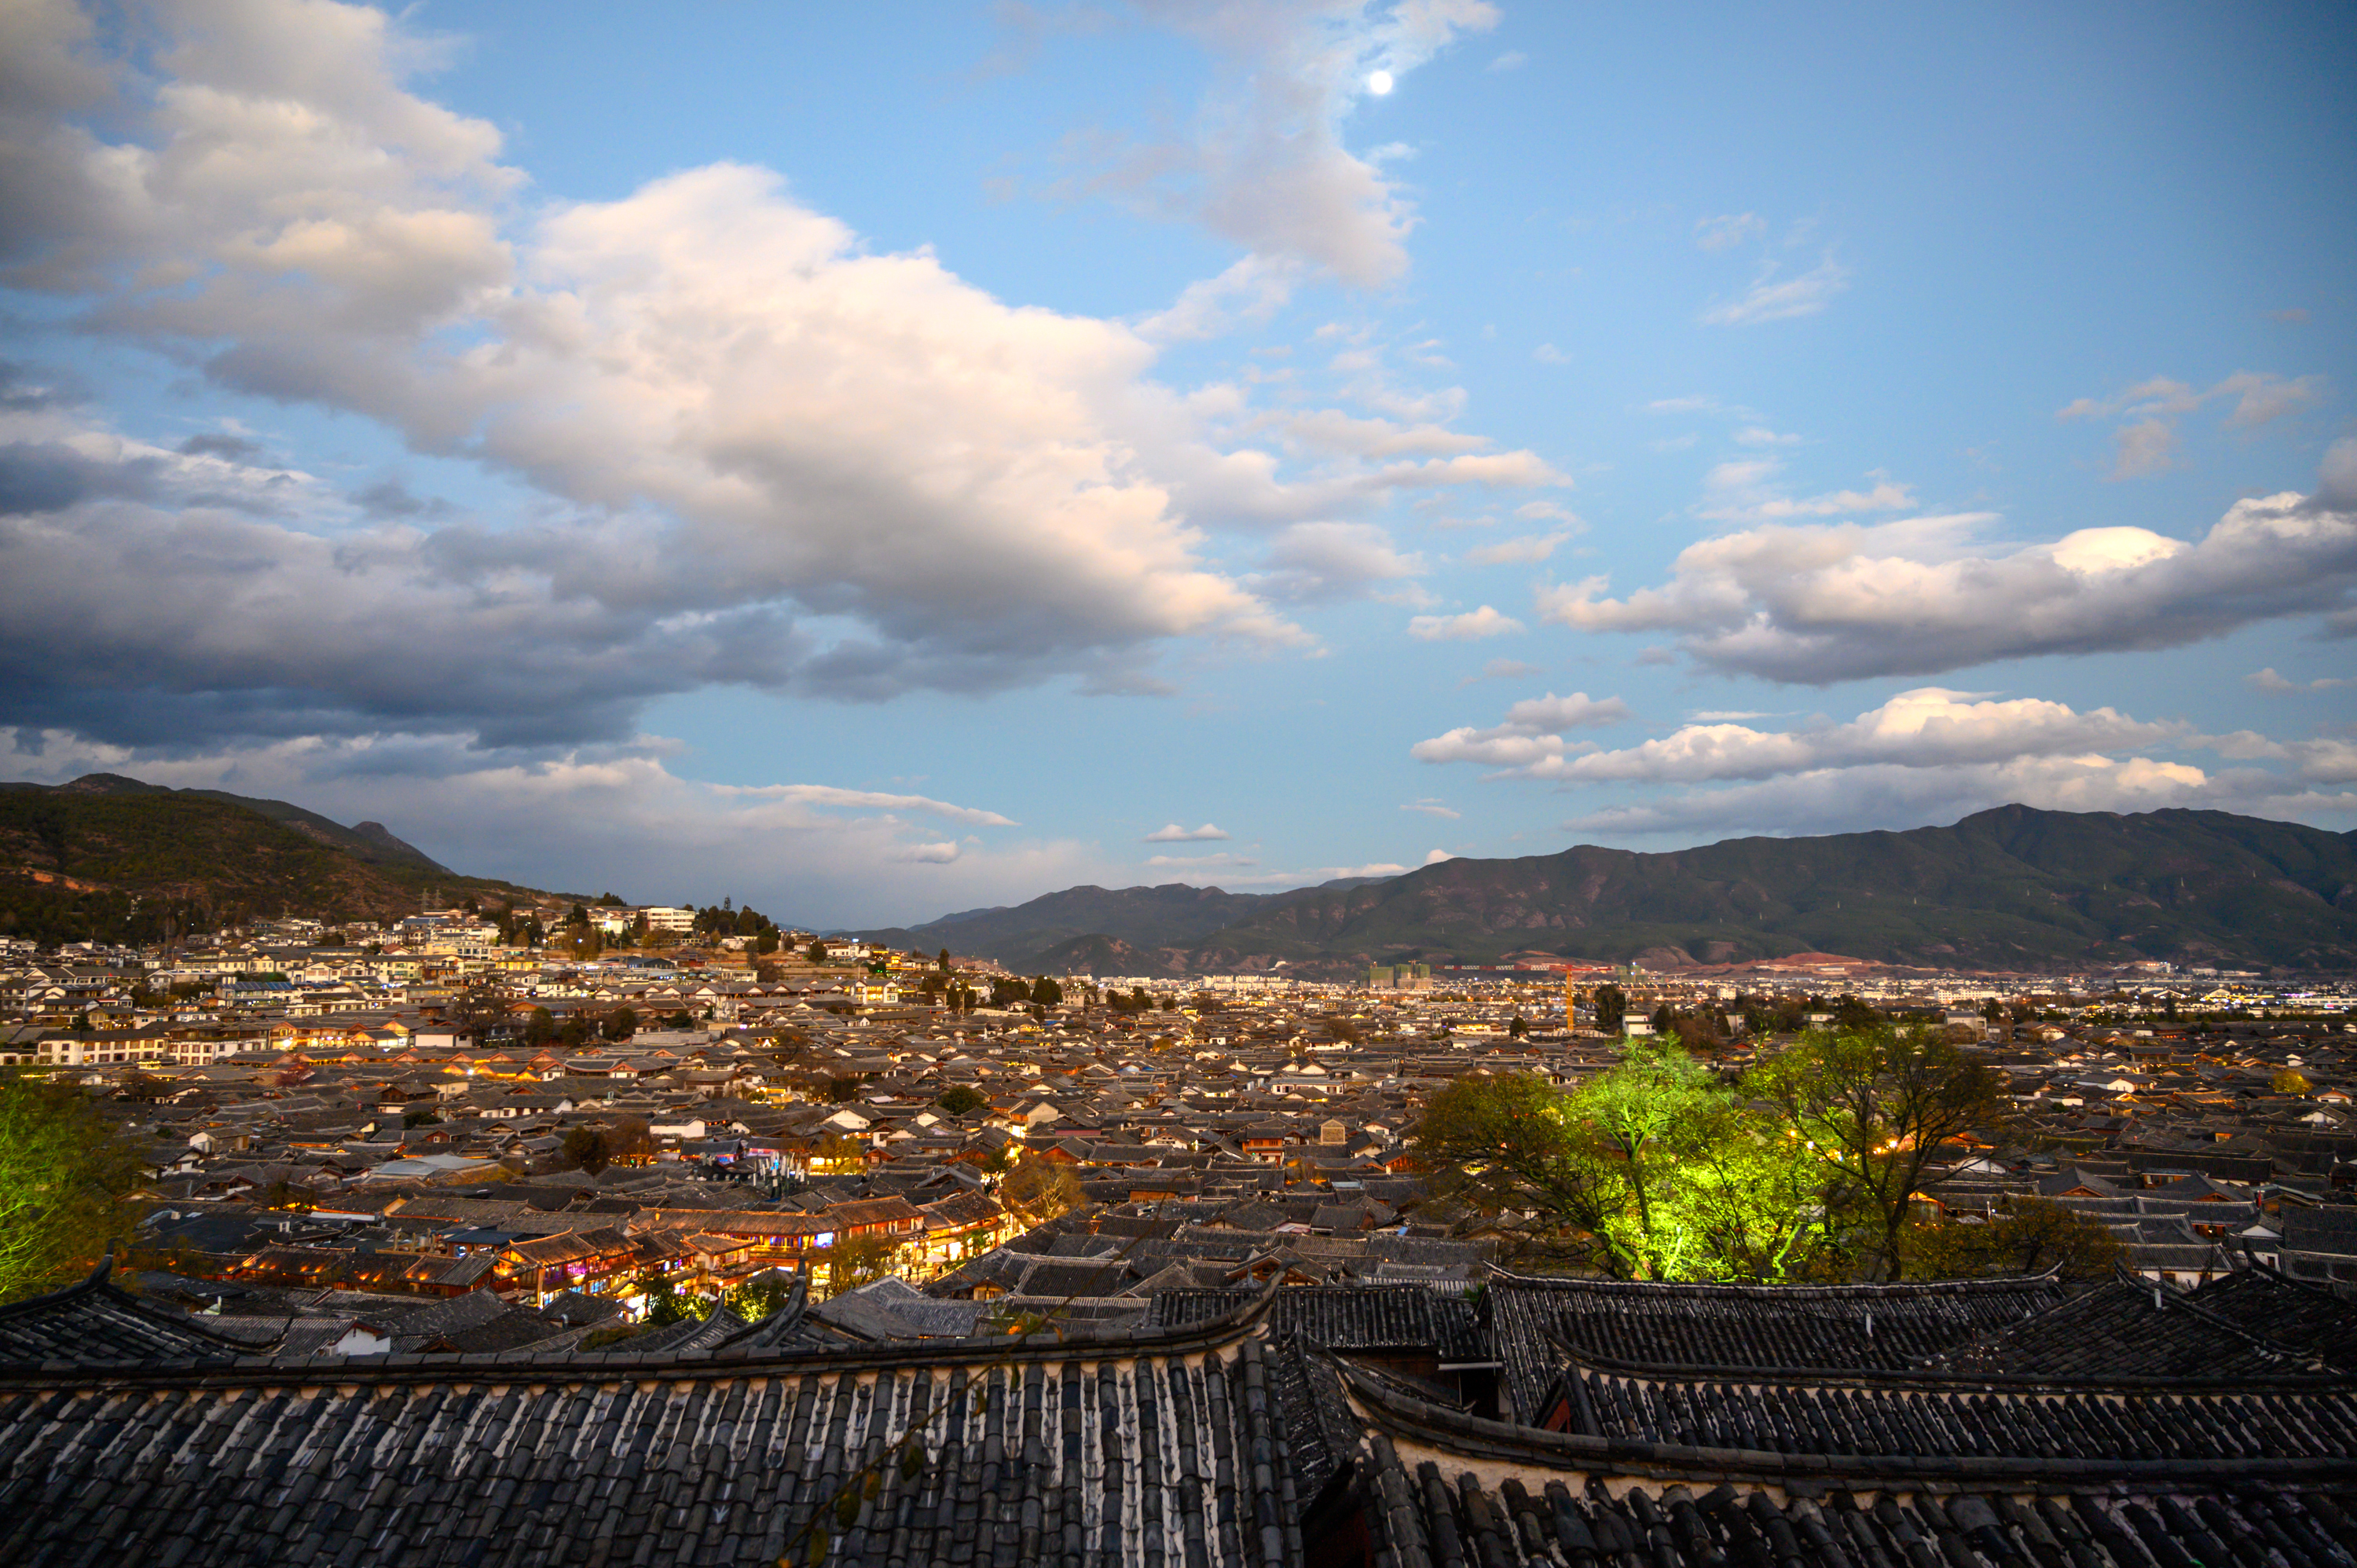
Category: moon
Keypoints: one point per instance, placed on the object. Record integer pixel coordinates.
(1380, 83)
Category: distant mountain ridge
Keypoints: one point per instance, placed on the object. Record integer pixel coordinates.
(2010, 889)
(1172, 915)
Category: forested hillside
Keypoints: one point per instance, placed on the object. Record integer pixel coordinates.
(95, 861)
(2009, 888)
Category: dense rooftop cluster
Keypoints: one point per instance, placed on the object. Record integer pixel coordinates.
(830, 1271)
(435, 1110)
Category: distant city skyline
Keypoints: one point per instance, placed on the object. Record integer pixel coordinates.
(872, 462)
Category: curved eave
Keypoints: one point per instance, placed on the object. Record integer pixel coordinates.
(620, 1366)
(1403, 1417)
(2008, 1284)
(1938, 1380)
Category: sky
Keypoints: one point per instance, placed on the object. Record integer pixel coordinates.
(873, 461)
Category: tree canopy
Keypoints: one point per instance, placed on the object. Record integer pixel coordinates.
(963, 1100)
(1663, 1169)
(1872, 1106)
(1653, 1170)
(1038, 1191)
(65, 1179)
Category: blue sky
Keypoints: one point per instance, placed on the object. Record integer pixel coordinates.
(871, 461)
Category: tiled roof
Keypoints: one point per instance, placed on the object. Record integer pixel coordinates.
(1346, 1318)
(96, 1322)
(1634, 1503)
(1424, 1518)
(1135, 1450)
(1915, 1417)
(2134, 1328)
(1766, 1327)
(2304, 1318)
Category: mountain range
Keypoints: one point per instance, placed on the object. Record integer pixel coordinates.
(2013, 888)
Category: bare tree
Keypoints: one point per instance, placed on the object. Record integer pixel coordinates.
(1873, 1106)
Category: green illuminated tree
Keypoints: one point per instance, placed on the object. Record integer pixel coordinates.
(1653, 1170)
(64, 1183)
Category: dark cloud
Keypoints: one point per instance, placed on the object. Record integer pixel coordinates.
(391, 497)
(49, 475)
(221, 445)
(27, 389)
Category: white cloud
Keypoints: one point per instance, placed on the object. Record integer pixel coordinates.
(1470, 626)
(1925, 754)
(1526, 550)
(1436, 856)
(1719, 234)
(931, 854)
(1432, 808)
(2262, 397)
(1531, 732)
(2259, 397)
(1548, 354)
(1770, 300)
(2326, 760)
(1512, 60)
(1887, 796)
(758, 451)
(2159, 395)
(2146, 441)
(1928, 728)
(1252, 290)
(1200, 861)
(1319, 561)
(1822, 603)
(2269, 681)
(864, 800)
(1264, 164)
(1276, 880)
(1509, 470)
(1172, 832)
(1747, 489)
(1330, 430)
